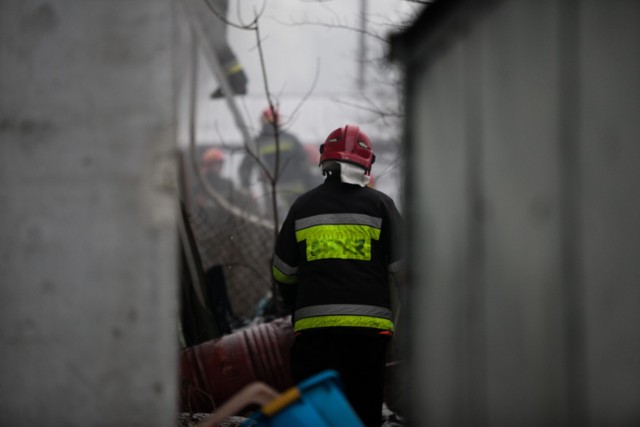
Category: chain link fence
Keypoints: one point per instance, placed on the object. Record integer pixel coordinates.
(235, 250)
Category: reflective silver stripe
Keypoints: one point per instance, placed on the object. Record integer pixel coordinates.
(284, 267)
(342, 310)
(336, 219)
(396, 267)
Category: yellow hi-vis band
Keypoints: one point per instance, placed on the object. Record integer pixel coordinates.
(283, 272)
(343, 321)
(281, 277)
(338, 241)
(272, 148)
(235, 68)
(282, 401)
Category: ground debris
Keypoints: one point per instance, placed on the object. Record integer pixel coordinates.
(389, 419)
(191, 419)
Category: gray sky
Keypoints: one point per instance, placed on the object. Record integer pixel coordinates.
(301, 39)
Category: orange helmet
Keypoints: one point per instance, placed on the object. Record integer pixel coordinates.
(270, 115)
(212, 156)
(348, 144)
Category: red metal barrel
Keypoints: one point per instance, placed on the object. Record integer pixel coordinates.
(214, 371)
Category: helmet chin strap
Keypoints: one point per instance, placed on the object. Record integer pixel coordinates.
(349, 173)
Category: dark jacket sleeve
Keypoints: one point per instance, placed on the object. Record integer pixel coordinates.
(396, 244)
(396, 237)
(245, 168)
(285, 261)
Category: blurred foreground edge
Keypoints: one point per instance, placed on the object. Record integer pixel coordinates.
(213, 371)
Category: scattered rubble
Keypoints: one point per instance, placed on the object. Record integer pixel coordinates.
(389, 419)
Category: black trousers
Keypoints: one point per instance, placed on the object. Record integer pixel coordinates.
(360, 361)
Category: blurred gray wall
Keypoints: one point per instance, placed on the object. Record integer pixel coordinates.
(87, 227)
(523, 201)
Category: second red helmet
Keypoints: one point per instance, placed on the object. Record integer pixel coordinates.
(270, 115)
(349, 144)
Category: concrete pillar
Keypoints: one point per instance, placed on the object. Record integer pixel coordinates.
(88, 238)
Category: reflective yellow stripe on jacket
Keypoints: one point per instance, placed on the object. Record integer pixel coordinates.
(283, 272)
(340, 315)
(342, 236)
(272, 148)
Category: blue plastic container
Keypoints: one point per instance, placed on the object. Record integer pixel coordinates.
(317, 401)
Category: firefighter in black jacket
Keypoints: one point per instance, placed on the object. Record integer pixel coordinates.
(337, 254)
(293, 175)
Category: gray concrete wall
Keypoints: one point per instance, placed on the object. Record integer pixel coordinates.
(524, 207)
(87, 230)
(609, 200)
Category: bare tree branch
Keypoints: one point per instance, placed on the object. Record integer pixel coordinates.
(224, 19)
(210, 191)
(332, 26)
(310, 91)
(371, 109)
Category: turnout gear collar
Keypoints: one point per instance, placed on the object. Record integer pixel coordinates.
(348, 172)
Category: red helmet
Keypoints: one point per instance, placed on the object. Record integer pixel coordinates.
(212, 155)
(349, 144)
(270, 115)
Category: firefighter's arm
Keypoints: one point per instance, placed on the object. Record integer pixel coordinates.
(285, 263)
(397, 250)
(396, 280)
(285, 275)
